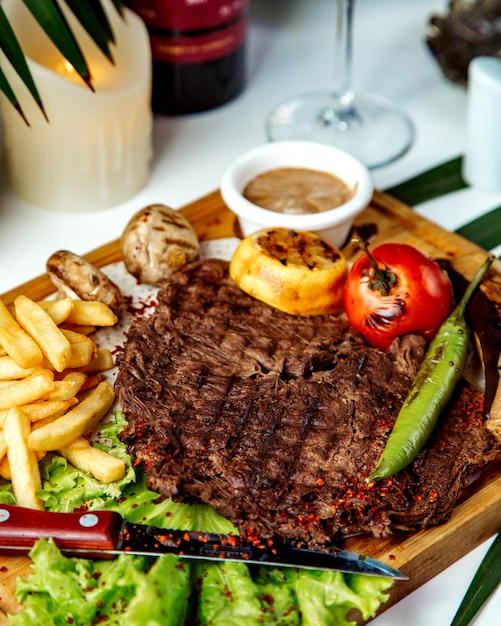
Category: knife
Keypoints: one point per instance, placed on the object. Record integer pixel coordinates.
(104, 534)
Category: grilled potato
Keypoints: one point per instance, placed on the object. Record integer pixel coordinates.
(294, 271)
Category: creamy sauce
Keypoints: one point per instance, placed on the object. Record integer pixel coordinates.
(297, 191)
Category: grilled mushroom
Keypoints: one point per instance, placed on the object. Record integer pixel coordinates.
(76, 278)
(157, 242)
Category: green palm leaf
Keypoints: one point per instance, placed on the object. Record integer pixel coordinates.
(485, 230)
(119, 6)
(483, 585)
(90, 14)
(50, 17)
(11, 96)
(92, 17)
(436, 182)
(12, 50)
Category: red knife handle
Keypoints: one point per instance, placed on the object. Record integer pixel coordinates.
(89, 531)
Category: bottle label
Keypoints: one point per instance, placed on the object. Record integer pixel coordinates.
(179, 49)
(193, 31)
(188, 15)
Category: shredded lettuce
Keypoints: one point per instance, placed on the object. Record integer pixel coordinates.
(168, 591)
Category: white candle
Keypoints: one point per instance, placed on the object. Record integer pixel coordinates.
(95, 151)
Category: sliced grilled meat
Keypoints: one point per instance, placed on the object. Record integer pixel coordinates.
(276, 420)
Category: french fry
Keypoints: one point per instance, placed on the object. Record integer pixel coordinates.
(3, 446)
(10, 370)
(52, 390)
(58, 310)
(92, 381)
(83, 349)
(91, 312)
(39, 325)
(33, 387)
(103, 466)
(26, 480)
(47, 408)
(68, 387)
(43, 422)
(16, 342)
(5, 469)
(83, 329)
(77, 421)
(103, 361)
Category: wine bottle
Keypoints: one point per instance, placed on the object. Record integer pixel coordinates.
(198, 52)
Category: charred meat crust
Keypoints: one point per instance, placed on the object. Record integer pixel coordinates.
(277, 420)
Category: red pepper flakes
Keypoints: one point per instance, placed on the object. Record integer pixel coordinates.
(320, 482)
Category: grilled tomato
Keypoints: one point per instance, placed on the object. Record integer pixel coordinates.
(394, 290)
(294, 271)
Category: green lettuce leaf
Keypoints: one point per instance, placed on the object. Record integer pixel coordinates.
(82, 592)
(230, 596)
(326, 597)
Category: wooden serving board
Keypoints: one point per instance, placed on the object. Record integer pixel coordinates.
(420, 555)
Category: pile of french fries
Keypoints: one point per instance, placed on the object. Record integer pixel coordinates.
(52, 390)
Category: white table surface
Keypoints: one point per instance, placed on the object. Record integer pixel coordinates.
(290, 51)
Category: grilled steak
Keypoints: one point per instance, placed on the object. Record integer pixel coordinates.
(276, 420)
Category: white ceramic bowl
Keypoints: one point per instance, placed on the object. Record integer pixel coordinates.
(333, 225)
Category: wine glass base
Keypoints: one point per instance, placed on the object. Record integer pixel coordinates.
(370, 127)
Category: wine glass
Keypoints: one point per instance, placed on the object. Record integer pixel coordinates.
(366, 125)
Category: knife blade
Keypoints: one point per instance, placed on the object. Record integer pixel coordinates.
(105, 534)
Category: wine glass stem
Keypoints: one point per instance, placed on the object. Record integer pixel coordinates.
(341, 112)
(343, 52)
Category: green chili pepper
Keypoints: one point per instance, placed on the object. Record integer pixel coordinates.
(432, 388)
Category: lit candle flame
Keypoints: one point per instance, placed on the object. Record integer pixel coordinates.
(66, 70)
